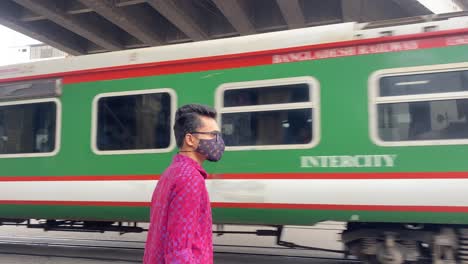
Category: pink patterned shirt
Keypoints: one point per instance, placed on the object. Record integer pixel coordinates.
(181, 225)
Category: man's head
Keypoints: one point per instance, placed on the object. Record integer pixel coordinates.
(197, 131)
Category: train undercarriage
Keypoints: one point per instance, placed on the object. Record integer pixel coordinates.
(372, 243)
(375, 243)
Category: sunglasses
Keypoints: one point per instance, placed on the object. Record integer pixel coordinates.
(215, 134)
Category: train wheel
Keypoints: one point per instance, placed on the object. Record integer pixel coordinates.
(444, 250)
(463, 246)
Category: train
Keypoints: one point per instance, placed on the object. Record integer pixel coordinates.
(350, 122)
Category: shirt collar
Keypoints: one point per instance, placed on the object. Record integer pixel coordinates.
(185, 159)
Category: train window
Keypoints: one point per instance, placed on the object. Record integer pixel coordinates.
(269, 114)
(133, 122)
(426, 120)
(293, 93)
(424, 83)
(428, 108)
(29, 128)
(47, 88)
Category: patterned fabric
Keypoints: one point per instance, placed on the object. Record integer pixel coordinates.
(181, 223)
(212, 149)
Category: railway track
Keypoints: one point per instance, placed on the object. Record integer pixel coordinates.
(130, 251)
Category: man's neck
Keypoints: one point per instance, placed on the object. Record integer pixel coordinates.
(193, 155)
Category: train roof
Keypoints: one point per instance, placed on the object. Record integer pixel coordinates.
(227, 46)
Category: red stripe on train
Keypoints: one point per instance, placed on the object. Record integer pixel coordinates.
(342, 176)
(73, 203)
(426, 40)
(346, 207)
(331, 207)
(80, 178)
(249, 59)
(255, 176)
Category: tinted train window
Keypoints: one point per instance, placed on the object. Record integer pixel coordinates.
(293, 93)
(28, 128)
(431, 120)
(427, 83)
(423, 107)
(268, 127)
(272, 115)
(134, 122)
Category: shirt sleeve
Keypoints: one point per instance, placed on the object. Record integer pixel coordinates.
(183, 217)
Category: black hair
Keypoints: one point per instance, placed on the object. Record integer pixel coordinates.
(187, 119)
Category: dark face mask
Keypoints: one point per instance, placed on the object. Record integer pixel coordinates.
(212, 149)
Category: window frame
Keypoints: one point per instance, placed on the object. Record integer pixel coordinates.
(375, 100)
(314, 104)
(58, 127)
(94, 120)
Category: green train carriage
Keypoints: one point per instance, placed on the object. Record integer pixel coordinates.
(319, 125)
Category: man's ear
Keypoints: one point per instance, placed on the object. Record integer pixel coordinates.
(190, 140)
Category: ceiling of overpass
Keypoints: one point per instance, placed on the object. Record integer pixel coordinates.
(92, 26)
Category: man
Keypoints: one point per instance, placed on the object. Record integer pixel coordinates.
(181, 225)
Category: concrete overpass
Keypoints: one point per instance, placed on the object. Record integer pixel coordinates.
(92, 26)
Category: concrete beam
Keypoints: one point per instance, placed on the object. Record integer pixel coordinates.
(49, 9)
(351, 10)
(28, 16)
(180, 17)
(412, 7)
(66, 44)
(292, 13)
(131, 23)
(375, 10)
(128, 2)
(235, 12)
(74, 8)
(324, 22)
(463, 4)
